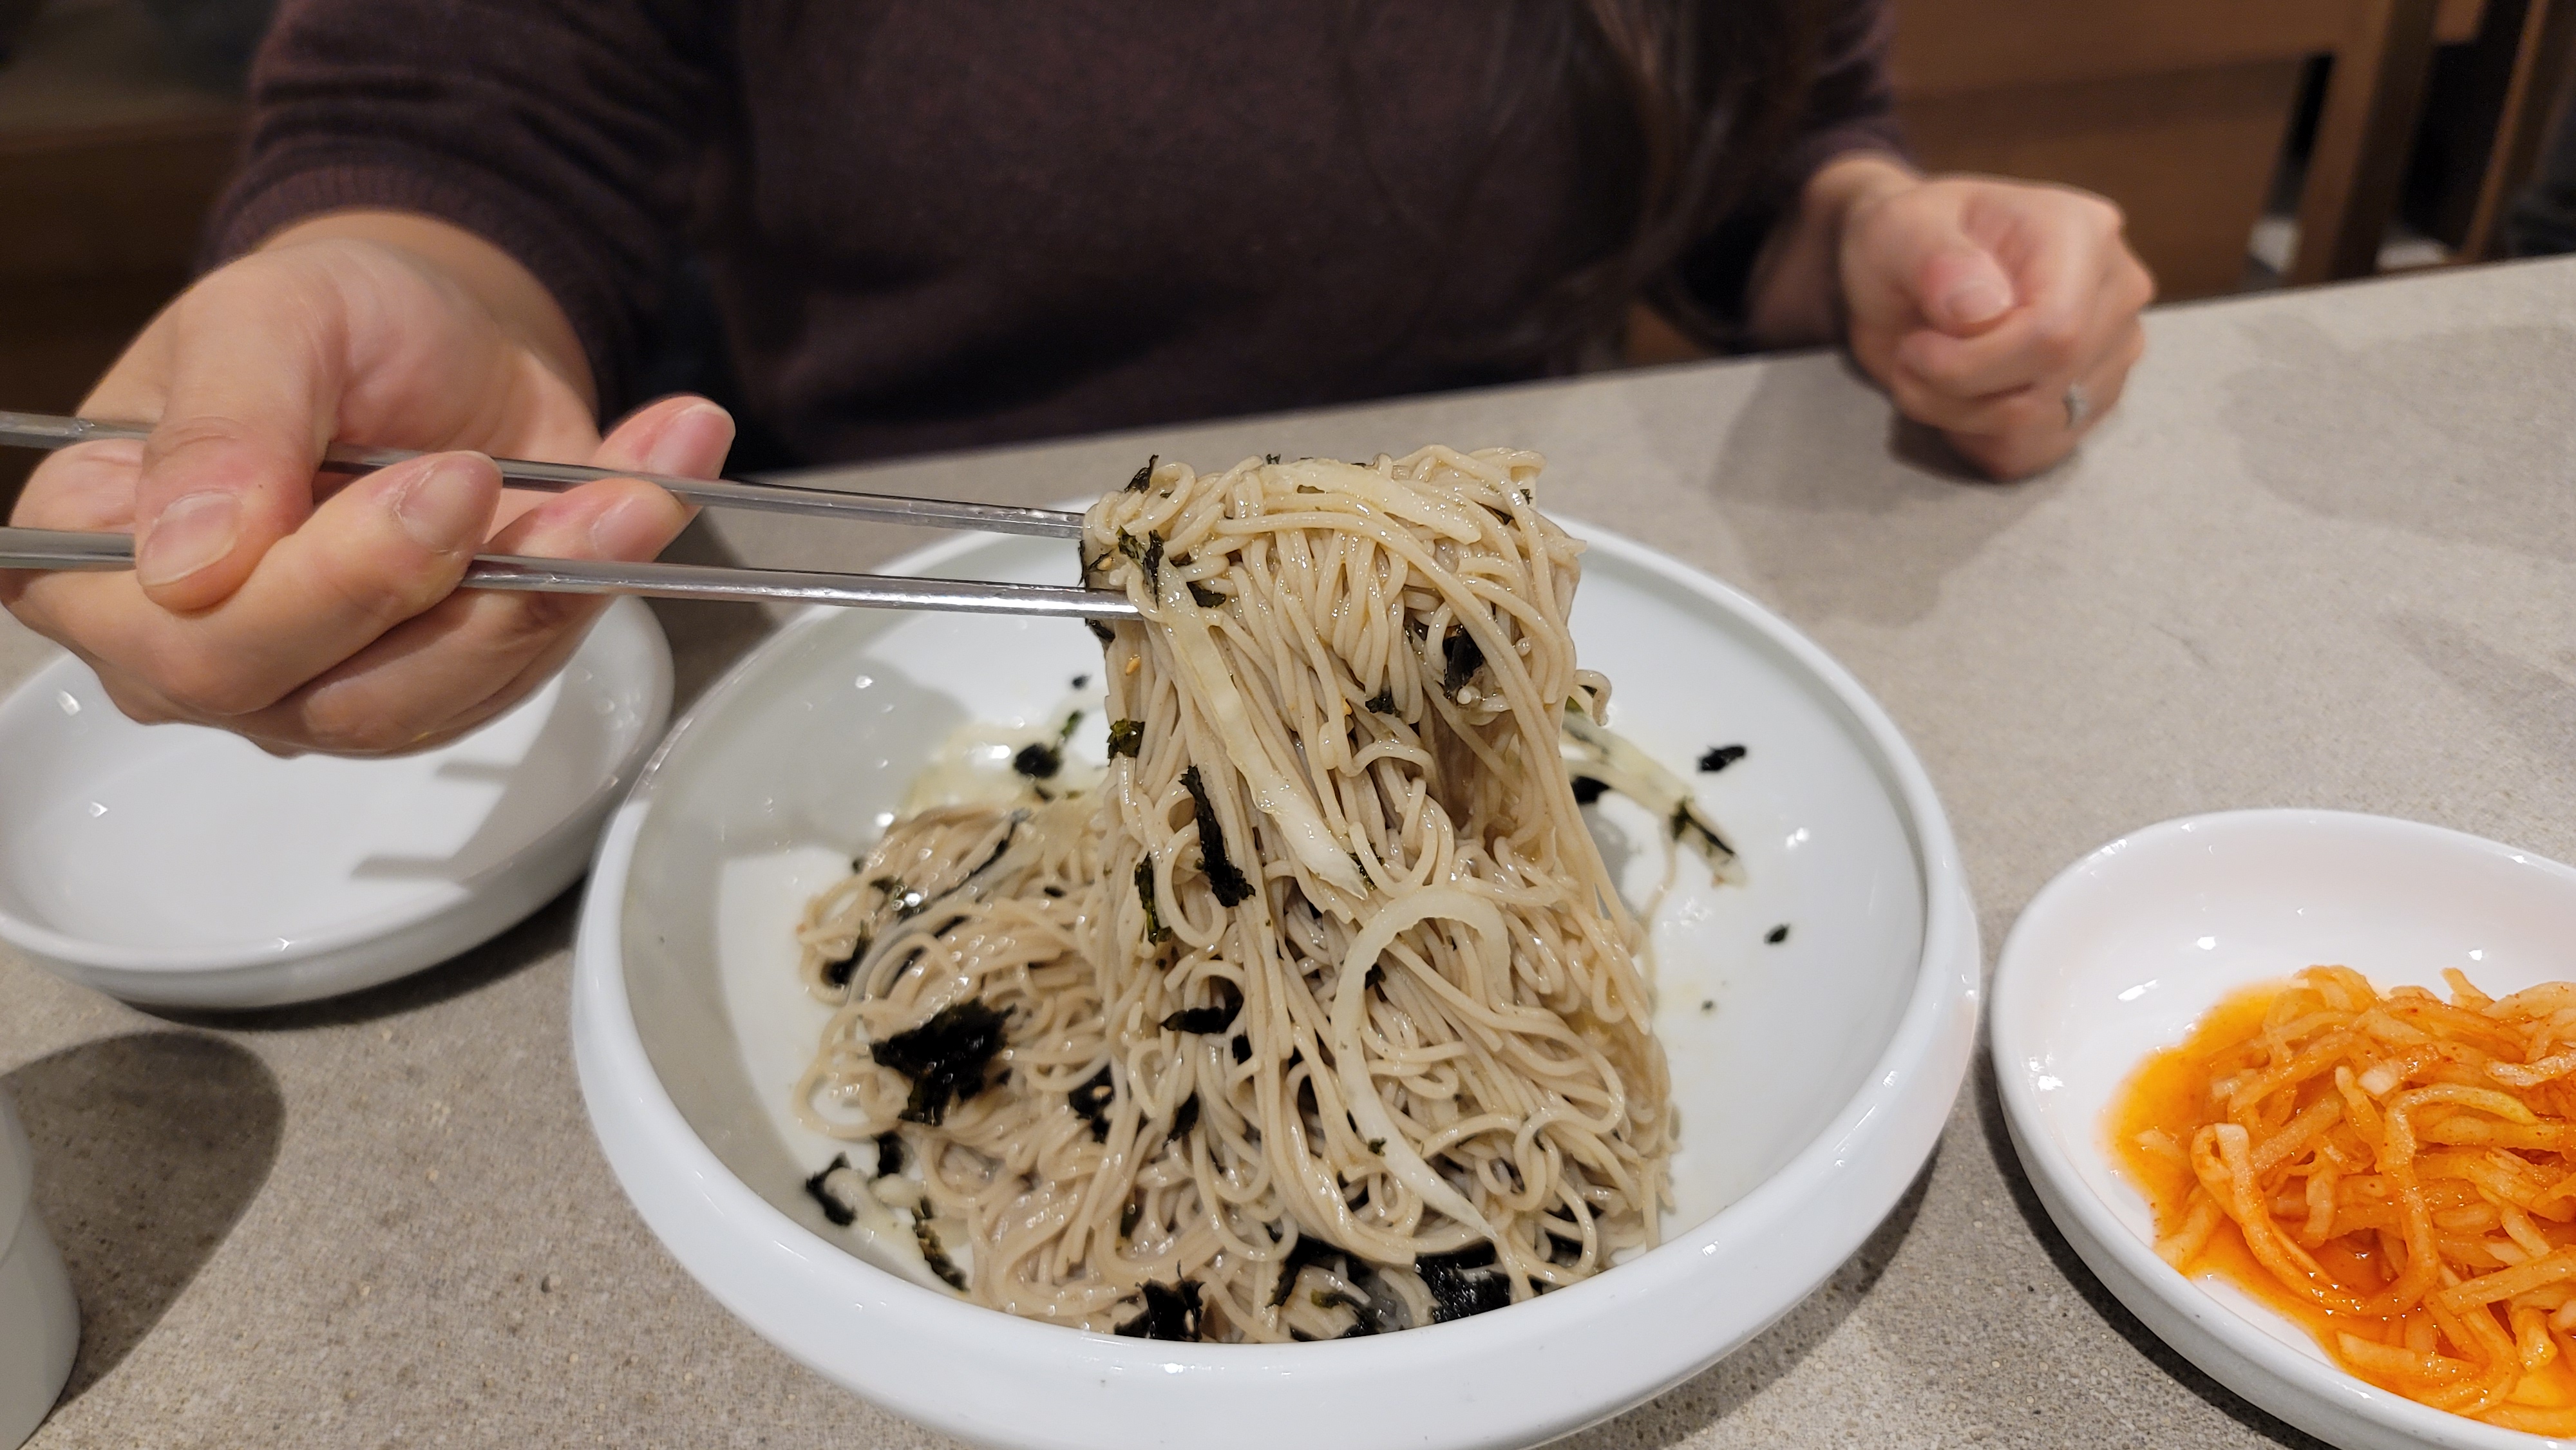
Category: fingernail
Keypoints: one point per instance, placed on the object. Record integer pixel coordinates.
(1979, 299)
(195, 530)
(694, 441)
(634, 529)
(444, 509)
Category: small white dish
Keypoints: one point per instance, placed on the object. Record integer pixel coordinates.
(1813, 1076)
(184, 867)
(2120, 955)
(39, 1320)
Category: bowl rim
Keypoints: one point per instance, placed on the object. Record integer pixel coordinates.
(674, 1178)
(81, 952)
(2014, 1041)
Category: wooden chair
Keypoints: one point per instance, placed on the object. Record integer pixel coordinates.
(2177, 109)
(2537, 91)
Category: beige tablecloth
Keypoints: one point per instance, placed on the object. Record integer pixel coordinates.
(2324, 555)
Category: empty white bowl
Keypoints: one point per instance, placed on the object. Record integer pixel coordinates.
(39, 1322)
(185, 867)
(2127, 948)
(1813, 1076)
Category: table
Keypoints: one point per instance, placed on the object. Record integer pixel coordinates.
(2324, 555)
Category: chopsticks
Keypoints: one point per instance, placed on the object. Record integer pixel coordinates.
(40, 430)
(58, 550)
(51, 549)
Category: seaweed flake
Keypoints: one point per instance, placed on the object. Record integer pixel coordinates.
(1090, 1102)
(1207, 598)
(1208, 1020)
(1081, 680)
(1126, 737)
(1242, 1049)
(1383, 702)
(1227, 882)
(1307, 1250)
(1270, 458)
(840, 1214)
(1184, 1118)
(1463, 1283)
(1588, 790)
(1686, 823)
(906, 963)
(1360, 1328)
(1171, 1312)
(1053, 892)
(1040, 761)
(936, 1256)
(889, 1154)
(1154, 929)
(1103, 632)
(1148, 557)
(1463, 656)
(836, 972)
(945, 1057)
(1144, 478)
(1777, 934)
(1720, 757)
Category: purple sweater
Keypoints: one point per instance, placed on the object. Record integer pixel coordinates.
(935, 226)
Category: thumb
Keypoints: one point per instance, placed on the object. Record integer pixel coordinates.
(229, 467)
(1958, 285)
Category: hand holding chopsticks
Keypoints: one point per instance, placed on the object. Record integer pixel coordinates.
(413, 603)
(46, 549)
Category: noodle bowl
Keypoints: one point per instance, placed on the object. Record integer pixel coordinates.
(1320, 1016)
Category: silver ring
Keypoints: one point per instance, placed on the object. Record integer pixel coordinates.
(2079, 406)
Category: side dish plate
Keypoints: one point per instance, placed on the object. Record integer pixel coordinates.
(184, 867)
(2120, 955)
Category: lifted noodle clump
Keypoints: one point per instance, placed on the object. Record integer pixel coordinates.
(1321, 1017)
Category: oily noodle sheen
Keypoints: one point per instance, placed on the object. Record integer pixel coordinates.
(2395, 1172)
(1321, 1017)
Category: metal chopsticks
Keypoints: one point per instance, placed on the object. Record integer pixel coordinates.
(49, 549)
(52, 549)
(39, 430)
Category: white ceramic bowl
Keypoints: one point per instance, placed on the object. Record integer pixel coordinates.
(39, 1322)
(2127, 948)
(184, 867)
(1813, 1076)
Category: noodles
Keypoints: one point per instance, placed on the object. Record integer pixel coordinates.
(2395, 1172)
(1320, 1016)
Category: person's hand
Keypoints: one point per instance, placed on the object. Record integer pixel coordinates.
(316, 615)
(2005, 314)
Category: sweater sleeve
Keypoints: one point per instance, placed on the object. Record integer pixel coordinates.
(569, 133)
(1851, 107)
